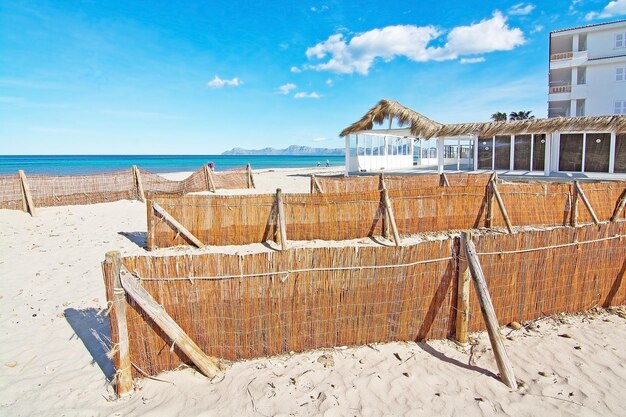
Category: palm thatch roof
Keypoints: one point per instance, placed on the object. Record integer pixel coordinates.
(420, 125)
(423, 127)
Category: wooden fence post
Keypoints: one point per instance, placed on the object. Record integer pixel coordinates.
(505, 214)
(249, 175)
(574, 218)
(281, 219)
(586, 202)
(176, 225)
(390, 217)
(489, 315)
(444, 180)
(208, 174)
(26, 195)
(123, 374)
(463, 287)
(619, 207)
(315, 185)
(150, 220)
(138, 184)
(209, 366)
(489, 195)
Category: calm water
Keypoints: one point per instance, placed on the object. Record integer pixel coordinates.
(91, 164)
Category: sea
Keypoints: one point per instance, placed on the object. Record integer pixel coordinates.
(93, 164)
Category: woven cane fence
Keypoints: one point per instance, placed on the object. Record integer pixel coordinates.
(236, 220)
(50, 190)
(253, 305)
(328, 184)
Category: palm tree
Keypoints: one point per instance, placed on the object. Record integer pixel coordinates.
(520, 115)
(498, 117)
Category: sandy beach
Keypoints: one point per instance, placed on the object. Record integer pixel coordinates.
(55, 336)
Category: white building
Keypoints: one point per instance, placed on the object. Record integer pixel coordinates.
(590, 144)
(588, 70)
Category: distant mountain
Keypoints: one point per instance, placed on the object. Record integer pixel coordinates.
(292, 150)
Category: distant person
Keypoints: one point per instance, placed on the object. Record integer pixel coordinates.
(212, 166)
(327, 163)
(319, 164)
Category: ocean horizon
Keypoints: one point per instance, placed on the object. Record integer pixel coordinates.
(94, 164)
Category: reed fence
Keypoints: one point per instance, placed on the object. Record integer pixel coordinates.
(235, 220)
(333, 185)
(252, 305)
(18, 192)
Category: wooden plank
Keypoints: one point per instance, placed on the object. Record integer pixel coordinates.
(619, 207)
(209, 366)
(315, 185)
(208, 173)
(26, 193)
(281, 219)
(390, 216)
(176, 225)
(123, 374)
(489, 315)
(138, 183)
(586, 202)
(463, 289)
(505, 214)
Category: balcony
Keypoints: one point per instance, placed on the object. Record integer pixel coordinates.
(560, 89)
(561, 56)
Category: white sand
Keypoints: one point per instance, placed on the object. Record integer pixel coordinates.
(53, 363)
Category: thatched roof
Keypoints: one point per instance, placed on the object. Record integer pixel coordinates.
(420, 125)
(423, 127)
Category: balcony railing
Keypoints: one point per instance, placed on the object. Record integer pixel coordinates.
(560, 89)
(561, 56)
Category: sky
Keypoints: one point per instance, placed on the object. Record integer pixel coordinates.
(201, 77)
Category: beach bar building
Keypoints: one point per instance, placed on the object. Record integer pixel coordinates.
(561, 144)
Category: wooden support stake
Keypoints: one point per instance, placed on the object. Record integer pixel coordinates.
(619, 207)
(389, 216)
(444, 180)
(124, 376)
(209, 366)
(249, 174)
(150, 218)
(505, 214)
(26, 193)
(176, 225)
(281, 219)
(385, 216)
(462, 300)
(489, 315)
(138, 183)
(208, 173)
(586, 202)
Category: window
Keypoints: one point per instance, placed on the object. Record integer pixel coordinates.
(620, 107)
(620, 40)
(620, 74)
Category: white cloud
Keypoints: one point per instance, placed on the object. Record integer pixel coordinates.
(614, 8)
(472, 60)
(217, 82)
(295, 70)
(286, 88)
(359, 53)
(521, 9)
(319, 139)
(329, 82)
(319, 9)
(307, 95)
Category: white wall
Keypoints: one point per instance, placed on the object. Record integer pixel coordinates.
(603, 90)
(602, 43)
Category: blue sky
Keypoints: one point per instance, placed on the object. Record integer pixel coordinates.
(198, 77)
